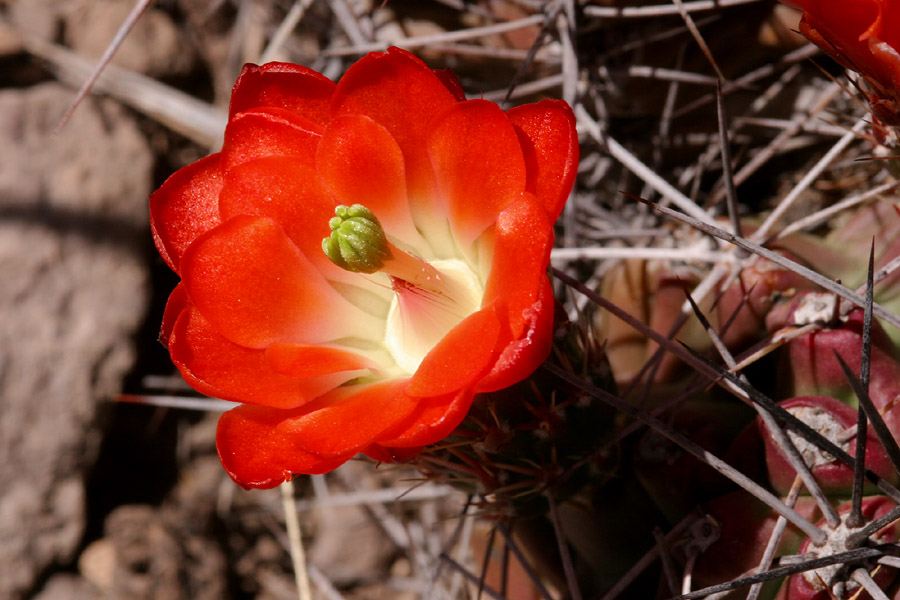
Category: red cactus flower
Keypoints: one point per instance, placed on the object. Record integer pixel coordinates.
(862, 35)
(432, 286)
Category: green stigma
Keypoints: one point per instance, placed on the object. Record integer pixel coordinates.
(357, 242)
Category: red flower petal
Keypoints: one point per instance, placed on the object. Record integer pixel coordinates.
(433, 420)
(550, 144)
(523, 238)
(269, 132)
(283, 85)
(529, 348)
(887, 27)
(296, 360)
(461, 356)
(400, 92)
(254, 286)
(478, 163)
(335, 426)
(451, 82)
(359, 162)
(178, 301)
(286, 190)
(217, 367)
(258, 453)
(184, 207)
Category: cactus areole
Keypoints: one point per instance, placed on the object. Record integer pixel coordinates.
(432, 286)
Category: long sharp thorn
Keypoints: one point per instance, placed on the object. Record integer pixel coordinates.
(855, 518)
(472, 578)
(727, 174)
(857, 555)
(858, 537)
(781, 437)
(484, 563)
(565, 556)
(802, 428)
(139, 7)
(862, 577)
(776, 258)
(814, 533)
(523, 560)
(866, 359)
(878, 425)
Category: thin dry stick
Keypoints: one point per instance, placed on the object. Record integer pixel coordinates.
(565, 21)
(440, 38)
(819, 217)
(284, 31)
(774, 539)
(298, 556)
(788, 201)
(780, 260)
(862, 577)
(602, 253)
(182, 402)
(196, 120)
(358, 33)
(730, 191)
(632, 12)
(139, 7)
(663, 74)
(637, 167)
(695, 33)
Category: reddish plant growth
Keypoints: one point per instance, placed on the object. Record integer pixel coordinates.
(862, 35)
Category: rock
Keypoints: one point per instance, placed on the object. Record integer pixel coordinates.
(72, 233)
(39, 18)
(155, 46)
(70, 587)
(147, 554)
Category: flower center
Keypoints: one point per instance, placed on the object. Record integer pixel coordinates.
(422, 313)
(430, 298)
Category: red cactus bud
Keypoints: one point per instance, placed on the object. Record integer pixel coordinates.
(810, 368)
(745, 526)
(833, 419)
(747, 302)
(834, 581)
(654, 293)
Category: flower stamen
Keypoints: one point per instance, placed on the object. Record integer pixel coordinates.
(430, 297)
